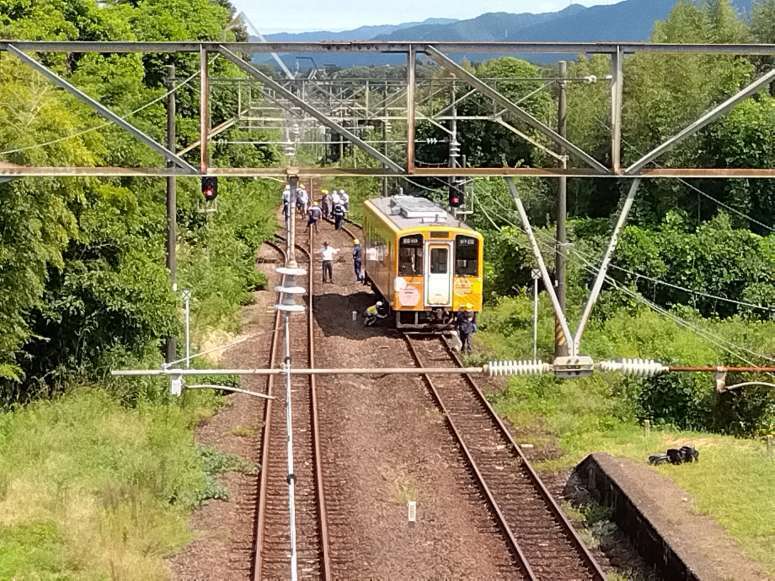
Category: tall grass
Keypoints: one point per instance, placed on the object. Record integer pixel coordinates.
(90, 489)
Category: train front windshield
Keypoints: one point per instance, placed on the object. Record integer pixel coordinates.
(410, 256)
(466, 256)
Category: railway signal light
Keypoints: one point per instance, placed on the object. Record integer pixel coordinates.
(456, 199)
(210, 188)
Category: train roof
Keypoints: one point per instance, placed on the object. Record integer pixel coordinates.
(407, 212)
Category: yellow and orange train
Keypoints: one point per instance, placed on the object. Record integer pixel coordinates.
(424, 262)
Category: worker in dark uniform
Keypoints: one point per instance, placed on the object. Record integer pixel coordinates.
(357, 260)
(339, 213)
(325, 204)
(313, 216)
(466, 327)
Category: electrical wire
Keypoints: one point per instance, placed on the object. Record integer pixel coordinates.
(727, 346)
(693, 187)
(678, 287)
(102, 125)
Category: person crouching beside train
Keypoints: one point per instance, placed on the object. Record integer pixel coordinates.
(374, 313)
(357, 260)
(327, 256)
(466, 327)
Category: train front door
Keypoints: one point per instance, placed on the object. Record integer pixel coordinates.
(438, 274)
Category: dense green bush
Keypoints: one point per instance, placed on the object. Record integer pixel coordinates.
(685, 401)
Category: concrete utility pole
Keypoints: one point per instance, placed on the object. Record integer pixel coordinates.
(172, 221)
(454, 145)
(384, 137)
(560, 274)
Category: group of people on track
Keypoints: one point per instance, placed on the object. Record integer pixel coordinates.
(331, 206)
(335, 206)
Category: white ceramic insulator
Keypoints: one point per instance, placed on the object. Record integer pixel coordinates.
(635, 367)
(503, 368)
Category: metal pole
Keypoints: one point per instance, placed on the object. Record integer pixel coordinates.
(539, 259)
(293, 181)
(291, 475)
(617, 92)
(172, 227)
(597, 287)
(560, 273)
(204, 111)
(536, 275)
(411, 80)
(454, 145)
(187, 307)
(384, 138)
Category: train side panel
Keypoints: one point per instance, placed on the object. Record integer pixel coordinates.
(379, 259)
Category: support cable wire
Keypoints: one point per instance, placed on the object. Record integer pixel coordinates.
(727, 346)
(102, 125)
(693, 187)
(675, 286)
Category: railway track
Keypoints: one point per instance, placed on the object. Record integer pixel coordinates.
(540, 535)
(272, 558)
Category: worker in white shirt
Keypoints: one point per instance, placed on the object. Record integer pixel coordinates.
(327, 256)
(335, 198)
(345, 200)
(302, 201)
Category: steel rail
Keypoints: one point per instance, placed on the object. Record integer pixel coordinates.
(548, 498)
(265, 443)
(315, 416)
(500, 517)
(325, 548)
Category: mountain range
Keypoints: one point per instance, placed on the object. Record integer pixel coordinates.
(628, 21)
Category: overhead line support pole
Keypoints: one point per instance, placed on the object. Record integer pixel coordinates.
(706, 119)
(172, 227)
(204, 111)
(559, 313)
(447, 63)
(617, 95)
(560, 274)
(321, 117)
(411, 108)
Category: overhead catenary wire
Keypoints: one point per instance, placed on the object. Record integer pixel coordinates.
(101, 125)
(676, 286)
(726, 346)
(695, 188)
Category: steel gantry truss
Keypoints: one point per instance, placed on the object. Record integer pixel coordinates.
(346, 108)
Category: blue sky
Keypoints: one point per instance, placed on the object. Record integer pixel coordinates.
(302, 15)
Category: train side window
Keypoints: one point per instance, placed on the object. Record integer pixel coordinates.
(466, 256)
(410, 256)
(439, 260)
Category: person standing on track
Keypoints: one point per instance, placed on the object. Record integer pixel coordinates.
(286, 201)
(357, 260)
(302, 200)
(327, 256)
(325, 204)
(466, 327)
(313, 216)
(345, 197)
(335, 199)
(339, 213)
